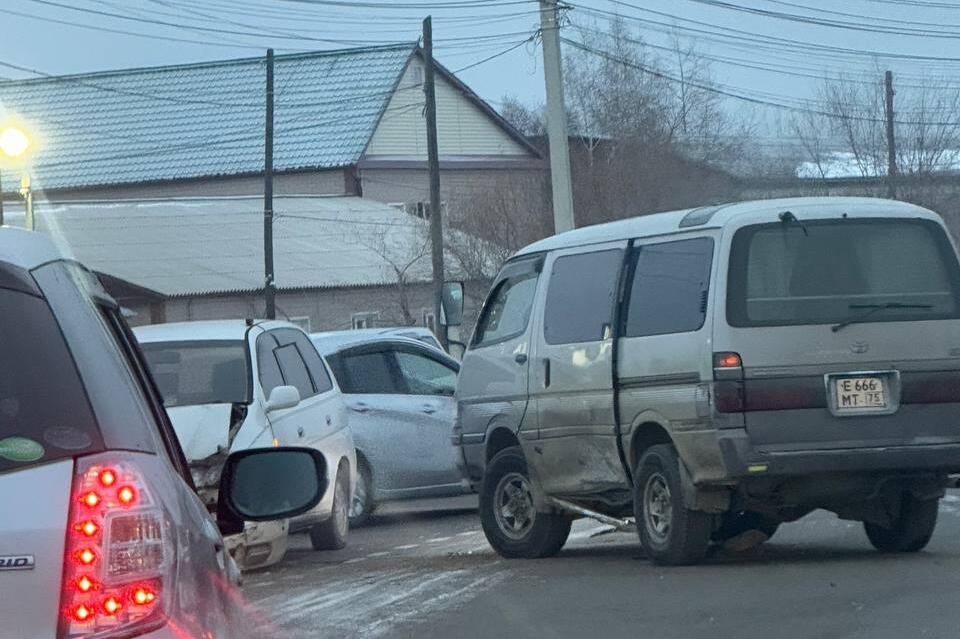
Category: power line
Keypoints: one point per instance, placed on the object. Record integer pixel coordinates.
(733, 94)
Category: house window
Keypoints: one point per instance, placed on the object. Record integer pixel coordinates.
(302, 322)
(364, 320)
(429, 319)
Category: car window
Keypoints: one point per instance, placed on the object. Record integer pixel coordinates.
(36, 424)
(668, 293)
(831, 271)
(294, 370)
(267, 365)
(368, 373)
(424, 375)
(191, 373)
(508, 311)
(581, 296)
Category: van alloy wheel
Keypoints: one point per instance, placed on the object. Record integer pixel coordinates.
(658, 511)
(514, 508)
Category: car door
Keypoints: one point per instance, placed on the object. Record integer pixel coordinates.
(428, 384)
(492, 386)
(280, 363)
(571, 376)
(385, 432)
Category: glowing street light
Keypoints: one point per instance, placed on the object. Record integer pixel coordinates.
(14, 142)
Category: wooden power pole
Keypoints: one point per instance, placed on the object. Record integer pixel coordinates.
(433, 164)
(891, 138)
(269, 289)
(556, 118)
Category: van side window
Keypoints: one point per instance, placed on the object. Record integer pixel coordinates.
(581, 296)
(669, 289)
(508, 311)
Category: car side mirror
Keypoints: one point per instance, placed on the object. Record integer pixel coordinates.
(267, 484)
(451, 302)
(282, 397)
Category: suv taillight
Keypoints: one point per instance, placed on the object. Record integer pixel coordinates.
(728, 391)
(119, 552)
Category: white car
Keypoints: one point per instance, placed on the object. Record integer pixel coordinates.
(101, 533)
(420, 333)
(400, 395)
(231, 385)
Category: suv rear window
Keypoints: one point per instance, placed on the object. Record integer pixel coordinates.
(873, 270)
(191, 373)
(41, 396)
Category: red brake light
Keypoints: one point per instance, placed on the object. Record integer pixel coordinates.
(727, 360)
(121, 551)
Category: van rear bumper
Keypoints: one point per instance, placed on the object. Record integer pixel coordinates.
(741, 459)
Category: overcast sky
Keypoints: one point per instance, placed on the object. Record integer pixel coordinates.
(72, 36)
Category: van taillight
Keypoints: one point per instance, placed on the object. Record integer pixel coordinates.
(119, 552)
(728, 391)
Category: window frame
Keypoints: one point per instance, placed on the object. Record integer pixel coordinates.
(623, 253)
(525, 266)
(425, 353)
(737, 261)
(632, 261)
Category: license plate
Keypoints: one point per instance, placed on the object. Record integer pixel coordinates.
(859, 393)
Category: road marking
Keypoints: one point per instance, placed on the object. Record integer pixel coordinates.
(378, 554)
(354, 560)
(437, 540)
(407, 547)
(469, 533)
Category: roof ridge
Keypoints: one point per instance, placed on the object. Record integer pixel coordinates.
(210, 63)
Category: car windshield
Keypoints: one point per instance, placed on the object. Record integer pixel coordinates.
(842, 270)
(191, 373)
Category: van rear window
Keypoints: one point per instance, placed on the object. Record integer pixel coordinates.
(44, 412)
(831, 271)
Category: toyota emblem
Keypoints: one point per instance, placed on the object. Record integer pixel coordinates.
(859, 347)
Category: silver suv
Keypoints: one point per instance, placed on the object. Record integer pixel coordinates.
(101, 532)
(716, 372)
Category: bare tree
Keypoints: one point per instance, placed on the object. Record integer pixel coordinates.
(405, 252)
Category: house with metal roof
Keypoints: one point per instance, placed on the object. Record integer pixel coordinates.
(348, 122)
(340, 261)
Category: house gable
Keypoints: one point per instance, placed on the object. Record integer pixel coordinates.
(464, 128)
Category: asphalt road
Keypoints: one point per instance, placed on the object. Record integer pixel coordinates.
(431, 573)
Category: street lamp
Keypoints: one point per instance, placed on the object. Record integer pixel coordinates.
(15, 142)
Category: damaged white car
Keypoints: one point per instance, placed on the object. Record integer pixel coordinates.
(234, 384)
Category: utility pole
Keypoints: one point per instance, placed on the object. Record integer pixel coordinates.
(556, 118)
(891, 139)
(269, 290)
(433, 164)
(1, 204)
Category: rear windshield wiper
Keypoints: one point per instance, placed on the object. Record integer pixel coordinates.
(872, 309)
(787, 217)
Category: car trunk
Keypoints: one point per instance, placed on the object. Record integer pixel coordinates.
(32, 547)
(848, 331)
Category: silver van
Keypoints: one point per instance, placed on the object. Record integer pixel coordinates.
(715, 372)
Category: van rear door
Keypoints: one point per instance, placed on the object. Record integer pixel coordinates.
(849, 332)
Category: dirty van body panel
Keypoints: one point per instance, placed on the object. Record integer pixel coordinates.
(571, 373)
(492, 385)
(849, 333)
(665, 351)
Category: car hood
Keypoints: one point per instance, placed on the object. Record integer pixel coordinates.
(202, 430)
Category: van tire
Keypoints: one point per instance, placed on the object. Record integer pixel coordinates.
(670, 533)
(517, 531)
(912, 529)
(331, 534)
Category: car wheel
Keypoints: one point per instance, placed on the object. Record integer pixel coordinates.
(509, 516)
(669, 532)
(912, 529)
(362, 504)
(331, 534)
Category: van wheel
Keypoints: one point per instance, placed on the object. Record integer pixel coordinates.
(331, 534)
(670, 533)
(912, 529)
(508, 515)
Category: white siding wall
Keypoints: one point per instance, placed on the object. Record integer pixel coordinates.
(462, 128)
